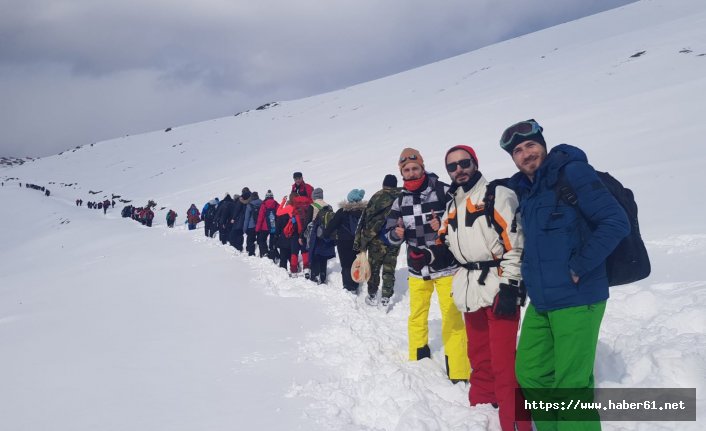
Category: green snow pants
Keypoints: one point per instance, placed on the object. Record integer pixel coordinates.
(557, 350)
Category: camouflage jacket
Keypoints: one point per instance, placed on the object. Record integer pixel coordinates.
(373, 218)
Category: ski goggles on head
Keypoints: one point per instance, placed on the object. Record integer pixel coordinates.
(464, 164)
(410, 157)
(522, 129)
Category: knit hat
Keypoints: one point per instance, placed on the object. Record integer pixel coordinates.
(269, 194)
(355, 195)
(318, 193)
(528, 130)
(465, 148)
(389, 181)
(410, 155)
(297, 175)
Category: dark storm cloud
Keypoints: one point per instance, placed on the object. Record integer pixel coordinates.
(96, 70)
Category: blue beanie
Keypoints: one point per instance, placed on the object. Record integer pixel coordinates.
(356, 195)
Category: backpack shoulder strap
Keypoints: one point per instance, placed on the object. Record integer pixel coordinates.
(489, 198)
(564, 191)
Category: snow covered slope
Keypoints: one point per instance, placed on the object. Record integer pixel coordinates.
(108, 325)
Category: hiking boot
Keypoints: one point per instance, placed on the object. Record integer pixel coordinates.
(457, 381)
(307, 273)
(384, 301)
(371, 300)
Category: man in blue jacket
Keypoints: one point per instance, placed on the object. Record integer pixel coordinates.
(563, 268)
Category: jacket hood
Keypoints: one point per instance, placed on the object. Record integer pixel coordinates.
(269, 203)
(353, 206)
(557, 158)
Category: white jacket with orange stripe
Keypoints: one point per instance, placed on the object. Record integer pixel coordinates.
(464, 229)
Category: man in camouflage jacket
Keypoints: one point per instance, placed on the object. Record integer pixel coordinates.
(368, 237)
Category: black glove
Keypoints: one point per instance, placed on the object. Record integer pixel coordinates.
(508, 300)
(418, 258)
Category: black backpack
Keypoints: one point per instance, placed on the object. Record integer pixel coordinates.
(210, 212)
(323, 218)
(629, 261)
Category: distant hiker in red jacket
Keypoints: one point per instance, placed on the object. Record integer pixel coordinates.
(267, 225)
(193, 216)
(301, 188)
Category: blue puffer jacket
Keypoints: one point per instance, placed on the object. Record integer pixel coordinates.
(558, 239)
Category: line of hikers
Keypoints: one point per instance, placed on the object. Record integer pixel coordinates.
(545, 233)
(302, 231)
(102, 205)
(36, 187)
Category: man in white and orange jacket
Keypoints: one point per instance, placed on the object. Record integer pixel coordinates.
(487, 288)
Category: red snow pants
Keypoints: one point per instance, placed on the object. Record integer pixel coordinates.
(492, 344)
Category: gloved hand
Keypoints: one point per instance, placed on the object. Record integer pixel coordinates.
(418, 258)
(508, 300)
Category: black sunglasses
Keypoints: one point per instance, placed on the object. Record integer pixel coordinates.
(464, 164)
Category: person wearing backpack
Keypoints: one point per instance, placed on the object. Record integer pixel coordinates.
(563, 269)
(193, 216)
(285, 230)
(222, 219)
(431, 266)
(250, 222)
(487, 288)
(342, 228)
(208, 215)
(320, 247)
(237, 219)
(149, 215)
(266, 226)
(171, 218)
(368, 238)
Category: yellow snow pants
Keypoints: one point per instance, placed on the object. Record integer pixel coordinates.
(453, 329)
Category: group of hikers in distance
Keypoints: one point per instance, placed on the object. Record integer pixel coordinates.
(484, 247)
(302, 231)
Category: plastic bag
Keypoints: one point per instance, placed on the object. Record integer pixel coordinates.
(360, 271)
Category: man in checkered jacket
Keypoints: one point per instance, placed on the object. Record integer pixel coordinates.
(431, 266)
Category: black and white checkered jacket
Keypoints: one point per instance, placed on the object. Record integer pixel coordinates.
(415, 209)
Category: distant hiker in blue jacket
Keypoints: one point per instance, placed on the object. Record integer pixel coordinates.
(252, 210)
(563, 269)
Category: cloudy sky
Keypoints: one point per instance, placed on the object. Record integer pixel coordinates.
(81, 71)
